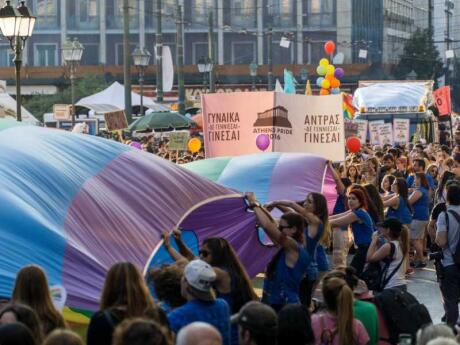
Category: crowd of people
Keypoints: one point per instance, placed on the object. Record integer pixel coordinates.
(158, 145)
(395, 206)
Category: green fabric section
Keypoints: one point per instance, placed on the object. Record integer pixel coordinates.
(210, 168)
(367, 314)
(6, 123)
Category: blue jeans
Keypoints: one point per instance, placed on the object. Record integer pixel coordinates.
(450, 291)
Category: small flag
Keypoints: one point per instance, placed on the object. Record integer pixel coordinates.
(289, 82)
(308, 91)
(278, 87)
(348, 108)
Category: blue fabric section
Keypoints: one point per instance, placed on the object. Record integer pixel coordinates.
(250, 173)
(41, 172)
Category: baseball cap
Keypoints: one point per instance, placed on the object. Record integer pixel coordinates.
(393, 224)
(258, 318)
(200, 276)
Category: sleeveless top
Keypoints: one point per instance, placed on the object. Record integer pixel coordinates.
(402, 212)
(282, 287)
(311, 246)
(422, 205)
(399, 278)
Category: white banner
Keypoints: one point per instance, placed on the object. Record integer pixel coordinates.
(362, 130)
(401, 129)
(374, 131)
(385, 134)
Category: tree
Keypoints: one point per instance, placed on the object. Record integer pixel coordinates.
(40, 104)
(420, 54)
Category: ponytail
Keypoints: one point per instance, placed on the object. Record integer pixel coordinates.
(339, 300)
(345, 315)
(325, 239)
(405, 245)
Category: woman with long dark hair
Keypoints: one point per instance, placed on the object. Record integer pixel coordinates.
(387, 181)
(398, 203)
(31, 288)
(353, 174)
(291, 263)
(317, 233)
(441, 192)
(361, 224)
(372, 208)
(374, 199)
(232, 281)
(420, 202)
(125, 295)
(338, 325)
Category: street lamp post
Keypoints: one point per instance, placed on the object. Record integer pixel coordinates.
(205, 66)
(72, 52)
(253, 72)
(17, 25)
(141, 57)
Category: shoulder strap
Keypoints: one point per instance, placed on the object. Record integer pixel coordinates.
(387, 279)
(455, 214)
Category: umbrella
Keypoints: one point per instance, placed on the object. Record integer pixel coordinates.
(161, 121)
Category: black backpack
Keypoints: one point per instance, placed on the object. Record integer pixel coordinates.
(402, 313)
(456, 253)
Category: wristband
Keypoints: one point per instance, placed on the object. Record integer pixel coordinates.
(254, 204)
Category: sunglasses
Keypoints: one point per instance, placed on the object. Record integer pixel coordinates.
(203, 253)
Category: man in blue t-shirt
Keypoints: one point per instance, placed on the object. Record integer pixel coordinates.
(418, 166)
(202, 305)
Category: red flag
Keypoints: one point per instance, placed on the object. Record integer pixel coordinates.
(442, 100)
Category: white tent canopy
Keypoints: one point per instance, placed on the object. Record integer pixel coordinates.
(114, 97)
(8, 109)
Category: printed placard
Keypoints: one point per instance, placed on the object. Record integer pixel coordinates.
(385, 134)
(374, 131)
(362, 130)
(178, 141)
(401, 130)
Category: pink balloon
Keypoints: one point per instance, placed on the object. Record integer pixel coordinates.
(263, 141)
(136, 145)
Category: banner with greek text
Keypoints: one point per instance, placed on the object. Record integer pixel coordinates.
(362, 130)
(385, 134)
(234, 124)
(374, 131)
(401, 130)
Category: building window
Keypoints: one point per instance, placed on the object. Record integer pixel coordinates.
(45, 54)
(282, 12)
(243, 52)
(119, 53)
(241, 13)
(115, 14)
(199, 13)
(282, 55)
(320, 13)
(90, 54)
(47, 13)
(6, 55)
(199, 50)
(87, 11)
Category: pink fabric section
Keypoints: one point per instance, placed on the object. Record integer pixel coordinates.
(330, 190)
(119, 215)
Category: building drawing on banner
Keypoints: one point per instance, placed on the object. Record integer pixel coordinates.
(277, 117)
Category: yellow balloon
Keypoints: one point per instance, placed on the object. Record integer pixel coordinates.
(330, 69)
(194, 145)
(324, 62)
(326, 84)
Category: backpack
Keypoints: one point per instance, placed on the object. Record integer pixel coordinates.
(456, 253)
(327, 335)
(402, 313)
(375, 276)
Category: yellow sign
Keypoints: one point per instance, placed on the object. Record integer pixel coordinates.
(62, 112)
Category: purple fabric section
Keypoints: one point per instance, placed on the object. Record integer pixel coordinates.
(119, 215)
(330, 190)
(229, 219)
(297, 174)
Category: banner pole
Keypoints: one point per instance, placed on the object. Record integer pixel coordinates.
(451, 132)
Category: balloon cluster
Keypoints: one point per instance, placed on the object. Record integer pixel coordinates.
(329, 80)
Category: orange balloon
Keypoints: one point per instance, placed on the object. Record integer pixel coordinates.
(324, 92)
(335, 83)
(194, 145)
(330, 77)
(329, 47)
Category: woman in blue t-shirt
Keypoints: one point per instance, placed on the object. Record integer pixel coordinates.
(290, 264)
(398, 203)
(317, 233)
(420, 202)
(361, 223)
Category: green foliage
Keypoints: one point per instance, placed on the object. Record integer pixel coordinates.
(39, 104)
(420, 54)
